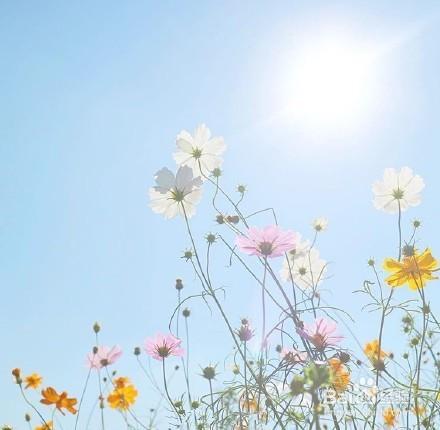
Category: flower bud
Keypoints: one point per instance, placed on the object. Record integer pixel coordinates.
(188, 255)
(233, 219)
(96, 328)
(179, 284)
(216, 172)
(211, 238)
(426, 309)
(27, 418)
(209, 372)
(241, 189)
(17, 375)
(186, 312)
(137, 351)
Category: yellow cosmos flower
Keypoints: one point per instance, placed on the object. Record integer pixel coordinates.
(390, 417)
(414, 270)
(371, 350)
(123, 396)
(340, 375)
(33, 381)
(47, 426)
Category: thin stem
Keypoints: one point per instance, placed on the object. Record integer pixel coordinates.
(32, 406)
(166, 390)
(82, 397)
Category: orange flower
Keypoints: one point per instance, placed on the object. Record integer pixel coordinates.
(61, 401)
(248, 405)
(390, 417)
(413, 270)
(121, 382)
(123, 396)
(340, 375)
(33, 381)
(371, 350)
(419, 410)
(47, 426)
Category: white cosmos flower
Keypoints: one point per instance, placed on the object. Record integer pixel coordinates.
(302, 247)
(397, 188)
(307, 270)
(320, 224)
(200, 151)
(172, 194)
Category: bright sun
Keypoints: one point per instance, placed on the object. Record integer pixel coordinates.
(331, 86)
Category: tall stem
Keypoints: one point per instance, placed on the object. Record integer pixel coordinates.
(166, 390)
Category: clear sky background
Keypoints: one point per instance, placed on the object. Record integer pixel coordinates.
(92, 95)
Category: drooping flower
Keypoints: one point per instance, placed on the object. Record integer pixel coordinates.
(371, 350)
(33, 381)
(307, 270)
(340, 374)
(200, 151)
(268, 242)
(293, 356)
(390, 415)
(414, 270)
(397, 189)
(123, 395)
(175, 195)
(45, 426)
(104, 356)
(320, 224)
(322, 333)
(61, 401)
(163, 345)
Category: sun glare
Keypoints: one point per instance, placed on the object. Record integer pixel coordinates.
(331, 86)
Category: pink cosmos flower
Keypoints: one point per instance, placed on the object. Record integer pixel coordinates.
(104, 356)
(268, 242)
(293, 356)
(163, 345)
(322, 333)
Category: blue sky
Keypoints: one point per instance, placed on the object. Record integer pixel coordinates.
(92, 97)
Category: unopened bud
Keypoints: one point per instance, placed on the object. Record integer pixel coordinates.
(96, 328)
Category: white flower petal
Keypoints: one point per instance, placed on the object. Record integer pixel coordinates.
(215, 146)
(164, 179)
(390, 178)
(185, 141)
(201, 135)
